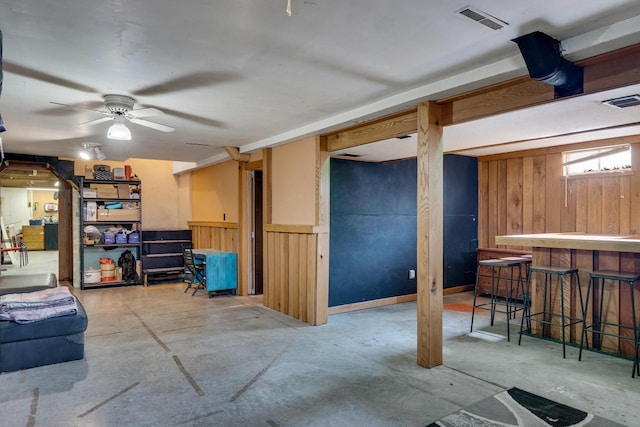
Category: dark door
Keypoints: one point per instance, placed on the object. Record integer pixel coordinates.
(257, 231)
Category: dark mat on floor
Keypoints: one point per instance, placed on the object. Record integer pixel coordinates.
(516, 407)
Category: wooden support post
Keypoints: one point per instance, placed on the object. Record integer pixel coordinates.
(268, 249)
(322, 219)
(234, 153)
(244, 245)
(430, 235)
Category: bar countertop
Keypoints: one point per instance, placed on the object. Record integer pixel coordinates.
(614, 243)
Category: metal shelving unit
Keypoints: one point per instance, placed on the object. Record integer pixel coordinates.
(106, 219)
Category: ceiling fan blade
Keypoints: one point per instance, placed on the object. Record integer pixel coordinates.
(151, 125)
(63, 111)
(189, 81)
(145, 112)
(192, 117)
(45, 77)
(96, 122)
(73, 107)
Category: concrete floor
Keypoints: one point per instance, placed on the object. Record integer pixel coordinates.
(38, 262)
(156, 356)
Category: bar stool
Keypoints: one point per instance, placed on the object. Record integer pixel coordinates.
(547, 315)
(509, 301)
(525, 261)
(596, 327)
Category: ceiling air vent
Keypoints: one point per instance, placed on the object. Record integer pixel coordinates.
(623, 101)
(482, 18)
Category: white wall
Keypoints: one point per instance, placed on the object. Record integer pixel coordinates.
(15, 207)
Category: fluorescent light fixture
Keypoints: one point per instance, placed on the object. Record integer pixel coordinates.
(119, 130)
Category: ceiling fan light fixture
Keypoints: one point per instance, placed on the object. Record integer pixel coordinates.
(119, 130)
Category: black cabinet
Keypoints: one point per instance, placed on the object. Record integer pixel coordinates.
(51, 236)
(162, 254)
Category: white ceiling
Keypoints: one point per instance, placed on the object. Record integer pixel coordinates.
(243, 73)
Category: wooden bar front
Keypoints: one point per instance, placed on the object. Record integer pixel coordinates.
(585, 252)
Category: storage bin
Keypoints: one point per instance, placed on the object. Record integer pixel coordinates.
(134, 237)
(121, 238)
(92, 275)
(107, 270)
(109, 238)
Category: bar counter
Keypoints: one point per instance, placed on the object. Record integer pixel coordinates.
(587, 252)
(615, 243)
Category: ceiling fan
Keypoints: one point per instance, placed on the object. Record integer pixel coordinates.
(119, 109)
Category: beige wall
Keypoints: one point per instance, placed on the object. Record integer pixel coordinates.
(214, 194)
(294, 182)
(162, 207)
(184, 198)
(40, 197)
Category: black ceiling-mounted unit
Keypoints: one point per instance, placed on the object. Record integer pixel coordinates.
(545, 63)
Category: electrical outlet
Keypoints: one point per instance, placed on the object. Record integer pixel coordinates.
(412, 274)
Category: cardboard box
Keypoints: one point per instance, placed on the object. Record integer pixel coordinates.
(118, 173)
(123, 191)
(89, 193)
(92, 212)
(117, 215)
(107, 193)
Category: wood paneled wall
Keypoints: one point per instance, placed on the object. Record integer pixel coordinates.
(526, 193)
(291, 285)
(224, 236)
(217, 235)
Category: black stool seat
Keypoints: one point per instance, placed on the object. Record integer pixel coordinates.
(553, 270)
(510, 302)
(615, 275)
(547, 316)
(500, 262)
(597, 324)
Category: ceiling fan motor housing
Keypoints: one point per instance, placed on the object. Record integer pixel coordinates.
(119, 104)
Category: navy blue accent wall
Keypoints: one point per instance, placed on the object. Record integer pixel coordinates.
(373, 230)
(373, 227)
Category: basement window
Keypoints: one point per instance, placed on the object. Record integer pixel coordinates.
(614, 158)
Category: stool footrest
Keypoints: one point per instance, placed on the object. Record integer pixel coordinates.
(570, 320)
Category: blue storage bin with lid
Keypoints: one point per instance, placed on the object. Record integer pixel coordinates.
(121, 237)
(109, 238)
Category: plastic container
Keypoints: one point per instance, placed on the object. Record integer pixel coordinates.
(92, 275)
(121, 238)
(107, 270)
(134, 237)
(109, 238)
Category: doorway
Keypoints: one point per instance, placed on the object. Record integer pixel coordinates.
(256, 234)
(36, 211)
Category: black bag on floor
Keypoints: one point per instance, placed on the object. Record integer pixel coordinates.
(127, 262)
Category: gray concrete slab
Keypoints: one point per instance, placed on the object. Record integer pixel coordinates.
(158, 357)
